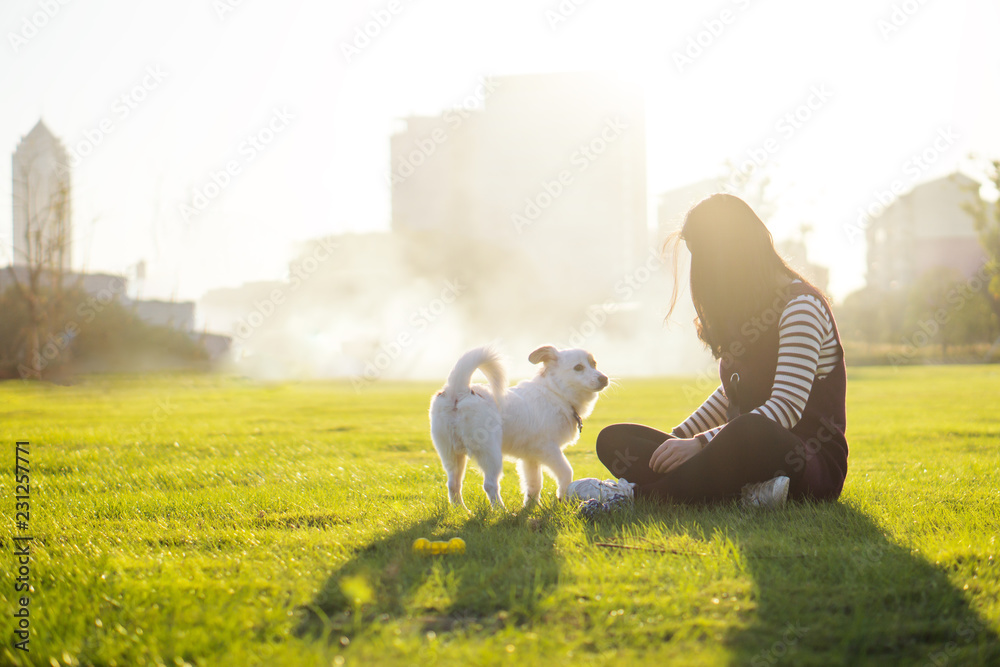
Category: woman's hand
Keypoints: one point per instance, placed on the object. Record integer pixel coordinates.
(672, 453)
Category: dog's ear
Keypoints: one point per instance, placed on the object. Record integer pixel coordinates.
(546, 353)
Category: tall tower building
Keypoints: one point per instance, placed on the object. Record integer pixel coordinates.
(41, 198)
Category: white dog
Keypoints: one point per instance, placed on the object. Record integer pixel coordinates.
(532, 422)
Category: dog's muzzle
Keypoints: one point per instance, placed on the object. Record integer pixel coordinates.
(602, 382)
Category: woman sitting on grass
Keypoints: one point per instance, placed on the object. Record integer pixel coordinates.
(776, 427)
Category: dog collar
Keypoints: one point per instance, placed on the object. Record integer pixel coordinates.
(579, 422)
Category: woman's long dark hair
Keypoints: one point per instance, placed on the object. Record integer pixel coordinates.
(736, 274)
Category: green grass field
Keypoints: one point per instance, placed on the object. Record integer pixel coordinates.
(214, 521)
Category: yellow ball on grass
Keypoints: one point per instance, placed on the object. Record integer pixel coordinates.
(456, 545)
(421, 545)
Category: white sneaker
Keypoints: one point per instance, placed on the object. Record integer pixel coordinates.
(591, 488)
(772, 494)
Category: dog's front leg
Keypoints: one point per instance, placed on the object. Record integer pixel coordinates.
(561, 470)
(531, 480)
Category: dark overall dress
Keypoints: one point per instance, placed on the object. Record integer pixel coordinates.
(819, 467)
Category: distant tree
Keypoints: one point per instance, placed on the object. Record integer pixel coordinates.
(40, 257)
(986, 214)
(861, 317)
(943, 309)
(873, 316)
(111, 338)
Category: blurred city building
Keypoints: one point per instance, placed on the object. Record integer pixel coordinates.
(552, 166)
(41, 200)
(796, 253)
(923, 229)
(43, 241)
(109, 284)
(173, 314)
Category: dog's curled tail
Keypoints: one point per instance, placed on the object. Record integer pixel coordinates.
(486, 359)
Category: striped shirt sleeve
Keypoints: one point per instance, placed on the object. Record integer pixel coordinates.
(710, 415)
(803, 328)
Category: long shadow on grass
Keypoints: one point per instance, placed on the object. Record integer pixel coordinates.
(507, 568)
(831, 588)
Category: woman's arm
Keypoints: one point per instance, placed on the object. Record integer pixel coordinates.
(690, 437)
(803, 327)
(705, 419)
(674, 452)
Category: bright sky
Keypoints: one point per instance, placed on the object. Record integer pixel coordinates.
(201, 77)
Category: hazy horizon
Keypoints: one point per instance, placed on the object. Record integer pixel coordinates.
(226, 69)
(210, 140)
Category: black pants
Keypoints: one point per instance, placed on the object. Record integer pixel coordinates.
(749, 449)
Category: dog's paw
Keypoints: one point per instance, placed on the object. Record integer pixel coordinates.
(530, 502)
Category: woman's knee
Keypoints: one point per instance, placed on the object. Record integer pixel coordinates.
(608, 438)
(754, 423)
(613, 438)
(625, 449)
